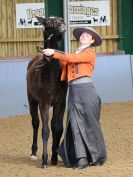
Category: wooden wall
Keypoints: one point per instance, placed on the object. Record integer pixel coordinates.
(14, 41)
(23, 42)
(109, 34)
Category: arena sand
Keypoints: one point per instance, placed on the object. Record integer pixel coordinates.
(16, 139)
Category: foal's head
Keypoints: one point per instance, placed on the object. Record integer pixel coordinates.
(53, 28)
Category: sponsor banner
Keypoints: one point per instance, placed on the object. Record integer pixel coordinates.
(26, 12)
(89, 13)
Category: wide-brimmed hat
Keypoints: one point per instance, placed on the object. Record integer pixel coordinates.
(97, 38)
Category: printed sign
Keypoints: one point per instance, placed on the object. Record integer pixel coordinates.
(89, 13)
(26, 12)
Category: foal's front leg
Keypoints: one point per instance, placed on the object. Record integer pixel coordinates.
(45, 134)
(35, 124)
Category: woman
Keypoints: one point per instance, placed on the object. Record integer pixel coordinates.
(83, 143)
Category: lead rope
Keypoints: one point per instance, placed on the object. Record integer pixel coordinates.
(47, 59)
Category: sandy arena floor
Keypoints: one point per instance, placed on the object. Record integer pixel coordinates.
(16, 139)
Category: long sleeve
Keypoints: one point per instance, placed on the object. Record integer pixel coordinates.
(84, 56)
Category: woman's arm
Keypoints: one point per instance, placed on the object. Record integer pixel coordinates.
(84, 56)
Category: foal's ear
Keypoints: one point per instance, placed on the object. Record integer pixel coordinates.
(40, 19)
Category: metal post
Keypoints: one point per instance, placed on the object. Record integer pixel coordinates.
(120, 26)
(46, 8)
(66, 19)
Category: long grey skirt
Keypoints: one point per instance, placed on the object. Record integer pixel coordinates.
(84, 107)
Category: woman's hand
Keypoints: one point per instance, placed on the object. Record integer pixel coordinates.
(48, 52)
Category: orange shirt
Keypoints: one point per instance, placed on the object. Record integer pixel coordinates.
(77, 65)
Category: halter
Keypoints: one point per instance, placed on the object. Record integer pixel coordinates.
(47, 59)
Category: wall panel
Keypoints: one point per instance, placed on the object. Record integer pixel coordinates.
(23, 42)
(109, 34)
(13, 41)
(113, 80)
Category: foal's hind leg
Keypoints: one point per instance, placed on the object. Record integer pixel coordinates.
(35, 124)
(57, 130)
(44, 110)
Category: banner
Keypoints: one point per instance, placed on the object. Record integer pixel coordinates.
(89, 13)
(26, 12)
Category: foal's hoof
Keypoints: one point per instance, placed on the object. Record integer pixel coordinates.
(44, 166)
(54, 161)
(33, 157)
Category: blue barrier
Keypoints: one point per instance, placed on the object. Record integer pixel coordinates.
(131, 61)
(13, 96)
(113, 80)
